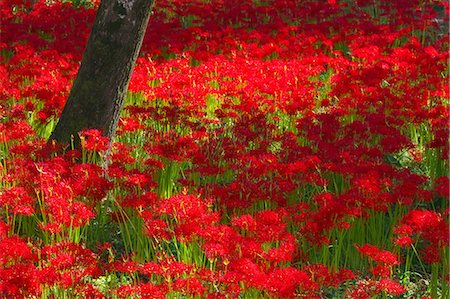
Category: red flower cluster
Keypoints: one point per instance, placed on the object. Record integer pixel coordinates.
(426, 225)
(385, 260)
(260, 142)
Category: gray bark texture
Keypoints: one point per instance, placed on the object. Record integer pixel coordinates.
(99, 90)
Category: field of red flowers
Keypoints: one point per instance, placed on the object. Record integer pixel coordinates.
(268, 149)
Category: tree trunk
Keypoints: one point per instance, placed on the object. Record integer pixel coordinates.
(99, 90)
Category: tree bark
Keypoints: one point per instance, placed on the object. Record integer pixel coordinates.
(99, 90)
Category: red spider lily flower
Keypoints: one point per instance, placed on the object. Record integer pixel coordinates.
(52, 228)
(284, 252)
(67, 214)
(148, 199)
(191, 214)
(15, 250)
(269, 225)
(323, 276)
(361, 291)
(72, 155)
(71, 263)
(404, 229)
(127, 291)
(328, 216)
(288, 110)
(154, 163)
(248, 272)
(124, 266)
(16, 130)
(404, 241)
(381, 271)
(429, 224)
(150, 268)
(80, 214)
(128, 125)
(285, 283)
(140, 181)
(366, 289)
(151, 291)
(383, 257)
(189, 286)
(244, 222)
(88, 181)
(172, 268)
(144, 290)
(214, 250)
(156, 228)
(19, 281)
(391, 287)
(121, 153)
(177, 148)
(19, 277)
(92, 140)
(89, 291)
(17, 201)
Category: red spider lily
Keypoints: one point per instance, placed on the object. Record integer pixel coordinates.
(90, 291)
(391, 287)
(136, 180)
(125, 266)
(17, 130)
(190, 214)
(328, 216)
(270, 226)
(121, 154)
(429, 224)
(285, 251)
(150, 268)
(220, 241)
(285, 283)
(70, 263)
(148, 199)
(404, 241)
(92, 140)
(177, 148)
(174, 269)
(248, 272)
(370, 288)
(289, 112)
(88, 181)
(128, 125)
(156, 228)
(17, 201)
(189, 286)
(245, 222)
(323, 276)
(19, 277)
(382, 257)
(144, 290)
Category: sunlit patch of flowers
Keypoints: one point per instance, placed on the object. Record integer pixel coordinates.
(268, 149)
